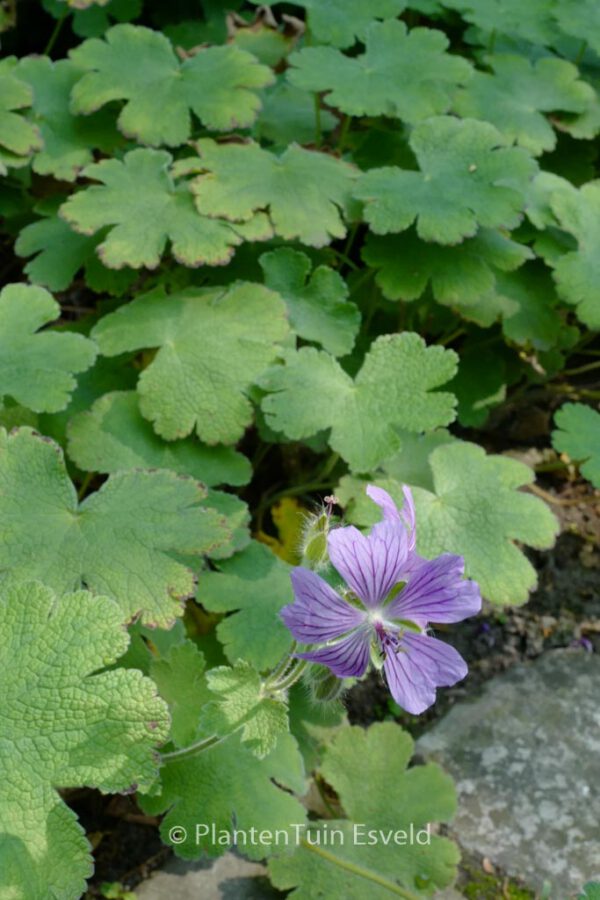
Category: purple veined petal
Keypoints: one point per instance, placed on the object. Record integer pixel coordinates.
(404, 517)
(347, 658)
(371, 565)
(437, 592)
(422, 664)
(318, 614)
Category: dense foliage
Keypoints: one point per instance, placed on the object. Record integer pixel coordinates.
(250, 257)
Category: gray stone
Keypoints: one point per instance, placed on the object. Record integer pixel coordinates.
(228, 878)
(525, 755)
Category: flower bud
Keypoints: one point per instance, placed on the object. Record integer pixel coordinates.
(314, 537)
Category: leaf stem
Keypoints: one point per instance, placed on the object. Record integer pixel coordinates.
(318, 129)
(580, 369)
(292, 676)
(581, 53)
(193, 749)
(56, 31)
(344, 129)
(358, 870)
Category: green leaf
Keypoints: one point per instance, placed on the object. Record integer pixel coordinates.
(590, 891)
(368, 770)
(580, 19)
(394, 389)
(288, 116)
(253, 586)
(229, 786)
(530, 317)
(531, 21)
(237, 518)
(305, 192)
(476, 511)
(18, 137)
(60, 253)
(181, 680)
(518, 93)
(37, 370)
(577, 434)
(317, 303)
(459, 275)
(480, 383)
(139, 198)
(138, 65)
(119, 541)
(401, 74)
(340, 22)
(68, 140)
(112, 435)
(469, 177)
(577, 273)
(214, 344)
(241, 706)
(65, 723)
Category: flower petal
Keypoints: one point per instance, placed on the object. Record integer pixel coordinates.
(391, 513)
(437, 592)
(421, 664)
(347, 658)
(371, 565)
(318, 614)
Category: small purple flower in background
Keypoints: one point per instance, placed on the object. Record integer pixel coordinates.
(392, 594)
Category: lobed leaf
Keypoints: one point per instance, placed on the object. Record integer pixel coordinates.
(469, 178)
(394, 389)
(402, 74)
(214, 344)
(37, 369)
(138, 65)
(120, 541)
(577, 434)
(66, 722)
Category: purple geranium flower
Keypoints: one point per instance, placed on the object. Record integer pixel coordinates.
(383, 615)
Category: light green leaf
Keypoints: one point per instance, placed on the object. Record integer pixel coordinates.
(459, 275)
(340, 22)
(262, 37)
(580, 19)
(60, 253)
(368, 770)
(18, 137)
(531, 21)
(229, 786)
(253, 586)
(138, 65)
(317, 303)
(68, 140)
(241, 706)
(65, 723)
(214, 344)
(181, 680)
(119, 541)
(305, 191)
(394, 389)
(577, 273)
(577, 434)
(37, 370)
(516, 95)
(237, 517)
(404, 75)
(140, 199)
(112, 435)
(469, 177)
(476, 511)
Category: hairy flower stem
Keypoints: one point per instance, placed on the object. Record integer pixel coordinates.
(290, 677)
